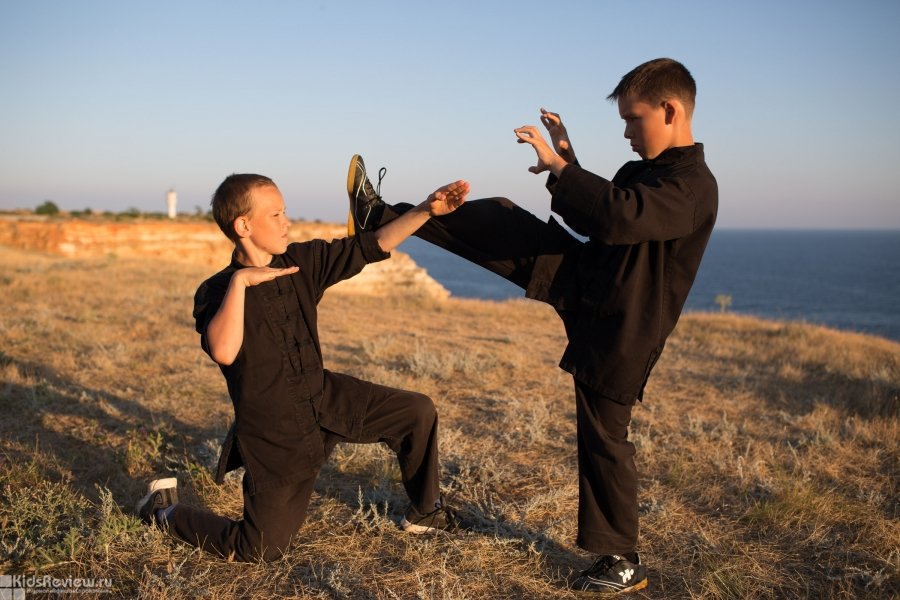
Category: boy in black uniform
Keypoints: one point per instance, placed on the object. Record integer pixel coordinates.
(619, 293)
(257, 320)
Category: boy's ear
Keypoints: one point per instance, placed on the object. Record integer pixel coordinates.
(671, 110)
(241, 226)
(674, 110)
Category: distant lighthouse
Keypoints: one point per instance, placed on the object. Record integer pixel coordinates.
(171, 202)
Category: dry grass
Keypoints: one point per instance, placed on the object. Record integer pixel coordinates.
(768, 451)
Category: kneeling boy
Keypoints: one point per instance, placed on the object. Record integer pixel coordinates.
(257, 320)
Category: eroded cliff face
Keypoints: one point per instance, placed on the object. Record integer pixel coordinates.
(201, 243)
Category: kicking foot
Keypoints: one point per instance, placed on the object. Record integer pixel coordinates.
(366, 204)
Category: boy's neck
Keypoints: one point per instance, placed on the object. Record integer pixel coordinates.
(682, 139)
(251, 256)
(686, 138)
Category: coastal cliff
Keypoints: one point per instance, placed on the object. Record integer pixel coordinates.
(198, 242)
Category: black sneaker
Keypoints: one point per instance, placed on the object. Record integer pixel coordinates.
(612, 574)
(161, 493)
(366, 204)
(440, 519)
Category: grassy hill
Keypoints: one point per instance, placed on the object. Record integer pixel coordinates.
(768, 451)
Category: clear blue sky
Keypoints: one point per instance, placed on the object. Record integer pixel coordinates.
(107, 105)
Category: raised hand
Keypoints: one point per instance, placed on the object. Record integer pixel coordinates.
(558, 135)
(440, 202)
(448, 198)
(547, 158)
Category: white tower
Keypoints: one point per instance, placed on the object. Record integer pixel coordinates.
(171, 201)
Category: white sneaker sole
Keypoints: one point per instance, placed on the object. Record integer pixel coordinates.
(161, 484)
(155, 486)
(409, 527)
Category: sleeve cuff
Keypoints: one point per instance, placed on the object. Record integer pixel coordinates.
(552, 179)
(562, 189)
(368, 243)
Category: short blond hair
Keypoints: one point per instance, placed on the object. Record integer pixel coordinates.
(232, 199)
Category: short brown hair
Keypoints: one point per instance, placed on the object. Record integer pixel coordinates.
(232, 199)
(657, 80)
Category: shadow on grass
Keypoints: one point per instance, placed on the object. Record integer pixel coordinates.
(557, 561)
(92, 435)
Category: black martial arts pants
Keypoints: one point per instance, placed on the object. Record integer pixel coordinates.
(506, 239)
(405, 421)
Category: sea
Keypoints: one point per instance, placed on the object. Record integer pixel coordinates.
(848, 280)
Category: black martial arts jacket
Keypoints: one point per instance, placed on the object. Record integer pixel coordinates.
(280, 391)
(620, 294)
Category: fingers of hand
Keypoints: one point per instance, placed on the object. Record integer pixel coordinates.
(273, 273)
(457, 187)
(460, 186)
(549, 117)
(461, 191)
(528, 134)
(453, 194)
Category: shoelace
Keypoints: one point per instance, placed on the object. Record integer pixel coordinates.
(449, 514)
(601, 565)
(381, 173)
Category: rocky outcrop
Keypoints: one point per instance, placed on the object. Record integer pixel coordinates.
(199, 242)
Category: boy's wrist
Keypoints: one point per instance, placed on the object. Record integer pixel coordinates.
(238, 280)
(423, 208)
(558, 164)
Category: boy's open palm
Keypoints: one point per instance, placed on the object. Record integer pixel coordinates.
(255, 275)
(448, 198)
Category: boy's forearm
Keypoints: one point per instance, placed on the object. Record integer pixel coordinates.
(225, 333)
(392, 234)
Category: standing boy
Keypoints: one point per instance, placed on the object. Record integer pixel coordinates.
(257, 320)
(619, 293)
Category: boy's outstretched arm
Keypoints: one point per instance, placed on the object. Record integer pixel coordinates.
(442, 201)
(225, 332)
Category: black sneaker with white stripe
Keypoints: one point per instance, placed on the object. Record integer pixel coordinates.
(366, 204)
(611, 574)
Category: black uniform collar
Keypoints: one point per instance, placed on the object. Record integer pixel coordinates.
(277, 261)
(677, 154)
